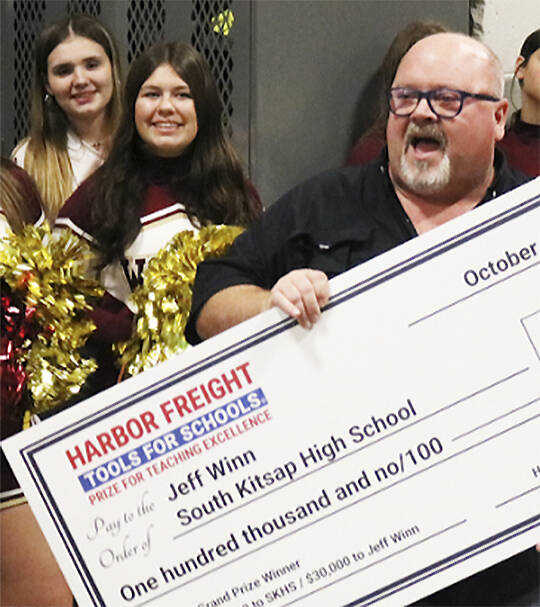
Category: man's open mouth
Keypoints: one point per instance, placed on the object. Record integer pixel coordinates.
(426, 144)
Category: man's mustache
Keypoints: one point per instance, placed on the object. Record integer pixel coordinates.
(415, 132)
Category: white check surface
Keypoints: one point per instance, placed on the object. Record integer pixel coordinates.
(385, 454)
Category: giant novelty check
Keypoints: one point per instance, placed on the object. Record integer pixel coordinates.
(388, 452)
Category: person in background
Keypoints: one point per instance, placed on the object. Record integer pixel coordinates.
(370, 144)
(75, 107)
(29, 574)
(171, 168)
(20, 202)
(521, 143)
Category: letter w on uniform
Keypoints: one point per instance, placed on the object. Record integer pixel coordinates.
(134, 278)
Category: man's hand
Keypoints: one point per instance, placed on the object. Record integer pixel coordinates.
(301, 294)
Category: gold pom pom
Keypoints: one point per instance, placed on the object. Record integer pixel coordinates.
(48, 273)
(164, 299)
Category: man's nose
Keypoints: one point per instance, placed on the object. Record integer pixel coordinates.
(423, 111)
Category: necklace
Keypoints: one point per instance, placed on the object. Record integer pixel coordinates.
(97, 146)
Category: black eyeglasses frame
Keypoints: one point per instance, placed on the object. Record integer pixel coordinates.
(427, 95)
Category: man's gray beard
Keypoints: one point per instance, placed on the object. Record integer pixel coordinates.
(421, 178)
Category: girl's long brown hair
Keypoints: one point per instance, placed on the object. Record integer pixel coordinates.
(207, 178)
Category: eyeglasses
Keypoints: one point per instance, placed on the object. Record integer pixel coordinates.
(445, 103)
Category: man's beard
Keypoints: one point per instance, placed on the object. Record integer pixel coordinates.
(420, 175)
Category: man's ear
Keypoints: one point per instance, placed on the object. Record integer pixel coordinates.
(501, 113)
(518, 69)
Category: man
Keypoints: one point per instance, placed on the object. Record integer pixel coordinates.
(447, 113)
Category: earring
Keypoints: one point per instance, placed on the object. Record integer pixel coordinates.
(47, 98)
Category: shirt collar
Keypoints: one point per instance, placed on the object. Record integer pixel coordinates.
(74, 142)
(495, 188)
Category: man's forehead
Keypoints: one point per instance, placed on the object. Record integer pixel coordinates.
(443, 61)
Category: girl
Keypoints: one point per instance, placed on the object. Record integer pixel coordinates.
(521, 143)
(75, 107)
(170, 168)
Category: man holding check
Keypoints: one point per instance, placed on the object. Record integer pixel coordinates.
(446, 115)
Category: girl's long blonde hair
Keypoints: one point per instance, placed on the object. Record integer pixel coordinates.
(46, 158)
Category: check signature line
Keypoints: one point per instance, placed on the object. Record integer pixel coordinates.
(447, 563)
(378, 561)
(495, 419)
(462, 299)
(355, 451)
(518, 496)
